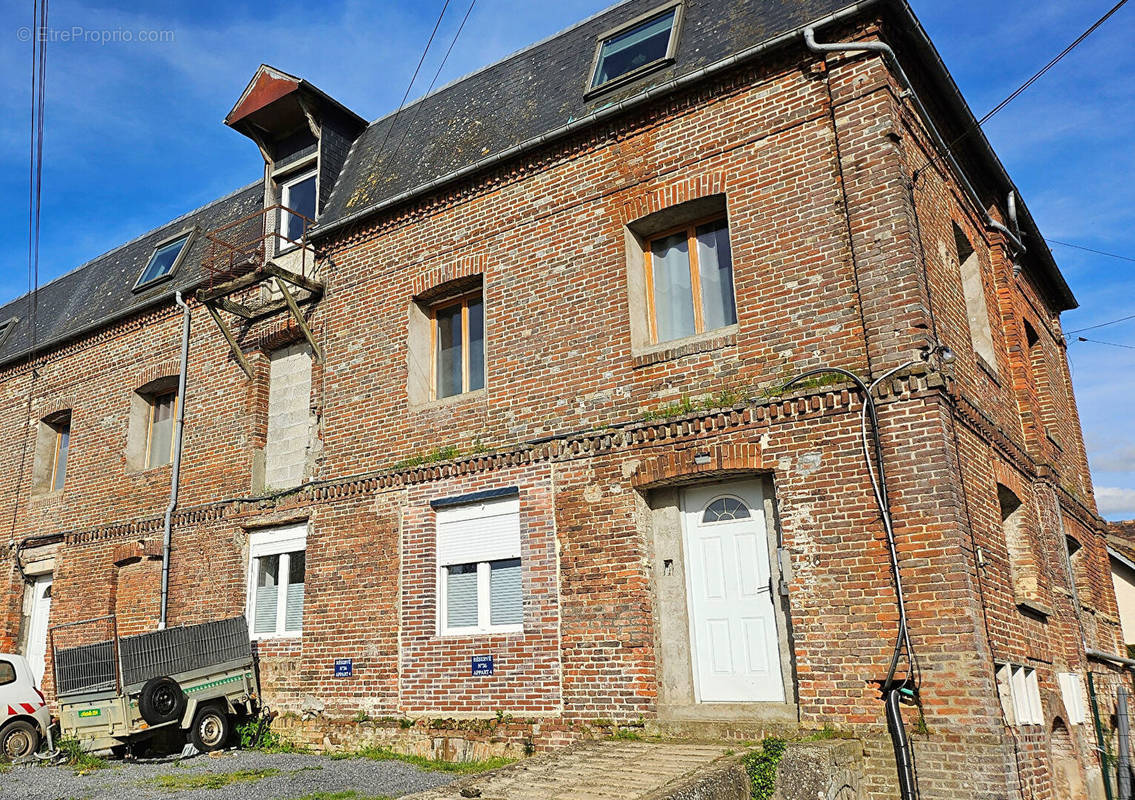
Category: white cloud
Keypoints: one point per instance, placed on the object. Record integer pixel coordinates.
(1116, 502)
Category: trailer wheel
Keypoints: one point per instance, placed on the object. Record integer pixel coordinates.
(211, 729)
(18, 739)
(161, 700)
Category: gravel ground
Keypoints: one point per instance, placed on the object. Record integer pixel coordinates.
(291, 776)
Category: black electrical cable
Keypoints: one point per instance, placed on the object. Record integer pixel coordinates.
(440, 67)
(876, 469)
(413, 78)
(1100, 325)
(1024, 86)
(1090, 250)
(1109, 344)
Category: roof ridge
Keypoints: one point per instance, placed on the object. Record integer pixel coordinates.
(126, 244)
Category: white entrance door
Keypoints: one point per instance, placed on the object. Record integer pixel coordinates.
(37, 628)
(733, 629)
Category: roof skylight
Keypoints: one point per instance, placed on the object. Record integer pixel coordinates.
(6, 328)
(634, 48)
(166, 258)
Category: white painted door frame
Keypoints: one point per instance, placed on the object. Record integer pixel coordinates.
(731, 598)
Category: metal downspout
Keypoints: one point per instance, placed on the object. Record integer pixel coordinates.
(892, 59)
(175, 475)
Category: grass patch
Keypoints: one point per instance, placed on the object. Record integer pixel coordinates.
(186, 783)
(827, 732)
(761, 766)
(447, 453)
(627, 735)
(459, 767)
(725, 398)
(76, 757)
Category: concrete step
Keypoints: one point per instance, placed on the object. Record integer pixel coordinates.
(649, 770)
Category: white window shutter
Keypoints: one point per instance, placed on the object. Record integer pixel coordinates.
(487, 531)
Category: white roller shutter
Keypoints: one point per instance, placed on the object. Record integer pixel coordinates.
(486, 531)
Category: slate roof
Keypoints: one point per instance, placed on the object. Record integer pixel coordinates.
(530, 94)
(536, 91)
(101, 290)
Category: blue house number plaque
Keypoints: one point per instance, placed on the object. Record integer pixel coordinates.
(482, 665)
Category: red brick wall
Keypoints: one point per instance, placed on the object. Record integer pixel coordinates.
(838, 261)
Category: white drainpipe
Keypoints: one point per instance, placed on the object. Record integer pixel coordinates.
(175, 475)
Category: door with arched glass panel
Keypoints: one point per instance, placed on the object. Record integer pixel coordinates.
(733, 623)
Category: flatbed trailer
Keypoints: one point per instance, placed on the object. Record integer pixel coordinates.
(120, 691)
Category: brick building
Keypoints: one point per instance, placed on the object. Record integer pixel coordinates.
(498, 445)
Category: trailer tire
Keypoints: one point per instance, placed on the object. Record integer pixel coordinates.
(18, 739)
(161, 700)
(211, 729)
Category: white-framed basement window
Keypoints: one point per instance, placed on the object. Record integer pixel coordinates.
(1019, 686)
(479, 575)
(276, 570)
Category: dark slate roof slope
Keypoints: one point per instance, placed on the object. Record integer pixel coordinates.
(101, 290)
(537, 90)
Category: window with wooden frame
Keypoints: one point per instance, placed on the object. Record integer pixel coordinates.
(62, 430)
(159, 436)
(457, 344)
(689, 280)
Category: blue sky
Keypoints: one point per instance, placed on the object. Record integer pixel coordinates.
(134, 133)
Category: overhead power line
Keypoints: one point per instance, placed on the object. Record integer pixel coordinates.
(1100, 325)
(1109, 344)
(1024, 86)
(440, 67)
(413, 78)
(1090, 250)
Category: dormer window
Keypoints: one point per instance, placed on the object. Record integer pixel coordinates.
(165, 260)
(638, 46)
(297, 194)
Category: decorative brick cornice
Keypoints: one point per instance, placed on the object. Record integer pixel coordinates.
(86, 341)
(984, 426)
(636, 436)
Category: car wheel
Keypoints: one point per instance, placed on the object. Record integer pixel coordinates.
(211, 729)
(161, 700)
(18, 739)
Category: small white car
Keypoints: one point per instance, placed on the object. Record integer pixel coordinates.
(24, 715)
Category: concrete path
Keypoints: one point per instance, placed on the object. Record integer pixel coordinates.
(617, 770)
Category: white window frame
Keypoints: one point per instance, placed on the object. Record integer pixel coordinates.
(274, 542)
(1024, 693)
(286, 185)
(1072, 690)
(507, 506)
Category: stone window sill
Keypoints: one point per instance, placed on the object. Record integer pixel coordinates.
(453, 399)
(679, 348)
(1034, 606)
